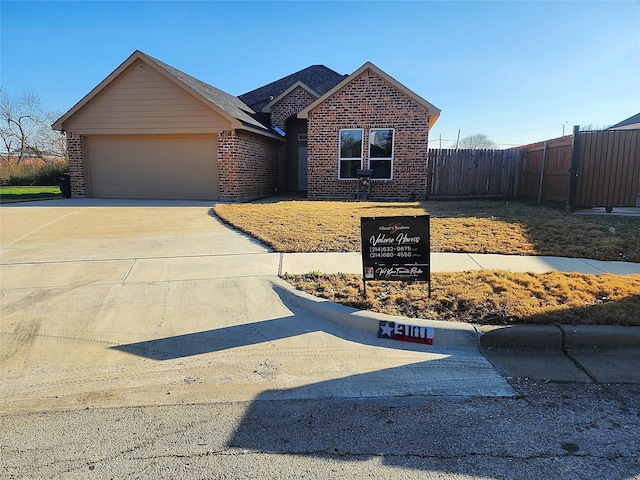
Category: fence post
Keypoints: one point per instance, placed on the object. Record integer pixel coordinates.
(573, 172)
(436, 174)
(544, 160)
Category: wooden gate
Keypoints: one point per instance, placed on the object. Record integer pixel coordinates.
(546, 171)
(606, 171)
(588, 169)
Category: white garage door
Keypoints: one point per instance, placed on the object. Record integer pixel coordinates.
(153, 167)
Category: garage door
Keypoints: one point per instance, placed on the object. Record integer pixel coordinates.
(153, 167)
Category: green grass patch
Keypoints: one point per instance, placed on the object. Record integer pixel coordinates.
(22, 194)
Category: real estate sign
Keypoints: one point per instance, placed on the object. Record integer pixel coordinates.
(396, 248)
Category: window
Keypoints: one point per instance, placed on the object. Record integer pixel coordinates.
(381, 152)
(350, 155)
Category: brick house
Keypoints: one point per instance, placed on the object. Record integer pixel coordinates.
(151, 131)
(368, 120)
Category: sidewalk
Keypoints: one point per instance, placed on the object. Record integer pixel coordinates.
(299, 263)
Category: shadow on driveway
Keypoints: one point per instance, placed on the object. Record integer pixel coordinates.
(300, 322)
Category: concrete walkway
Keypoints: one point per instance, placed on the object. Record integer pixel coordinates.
(298, 263)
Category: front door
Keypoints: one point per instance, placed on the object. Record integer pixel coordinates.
(302, 169)
(296, 156)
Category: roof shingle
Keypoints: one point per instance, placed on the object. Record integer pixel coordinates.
(319, 78)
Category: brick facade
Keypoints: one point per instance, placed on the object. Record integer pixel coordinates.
(251, 165)
(368, 101)
(76, 164)
(294, 102)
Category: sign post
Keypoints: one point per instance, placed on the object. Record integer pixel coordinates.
(396, 248)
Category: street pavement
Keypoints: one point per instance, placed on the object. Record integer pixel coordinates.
(167, 341)
(549, 430)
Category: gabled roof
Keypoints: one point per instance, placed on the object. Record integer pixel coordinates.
(318, 78)
(230, 107)
(267, 107)
(631, 123)
(434, 112)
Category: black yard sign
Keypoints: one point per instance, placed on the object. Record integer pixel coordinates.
(396, 248)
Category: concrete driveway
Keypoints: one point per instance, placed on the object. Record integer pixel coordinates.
(121, 303)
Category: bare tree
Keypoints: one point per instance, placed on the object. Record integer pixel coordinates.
(25, 129)
(477, 140)
(590, 127)
(53, 141)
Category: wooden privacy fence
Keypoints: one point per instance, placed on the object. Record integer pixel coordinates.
(474, 173)
(584, 170)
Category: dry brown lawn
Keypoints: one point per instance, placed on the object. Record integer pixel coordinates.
(462, 226)
(490, 297)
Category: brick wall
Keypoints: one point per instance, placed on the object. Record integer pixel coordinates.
(297, 100)
(369, 102)
(76, 164)
(251, 165)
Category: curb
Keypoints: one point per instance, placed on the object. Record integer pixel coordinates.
(600, 337)
(559, 337)
(544, 337)
(447, 335)
(450, 335)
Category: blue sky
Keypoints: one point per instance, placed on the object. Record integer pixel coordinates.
(515, 71)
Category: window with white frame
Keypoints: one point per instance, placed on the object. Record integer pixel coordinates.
(350, 153)
(381, 152)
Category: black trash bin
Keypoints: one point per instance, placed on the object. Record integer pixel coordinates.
(65, 184)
